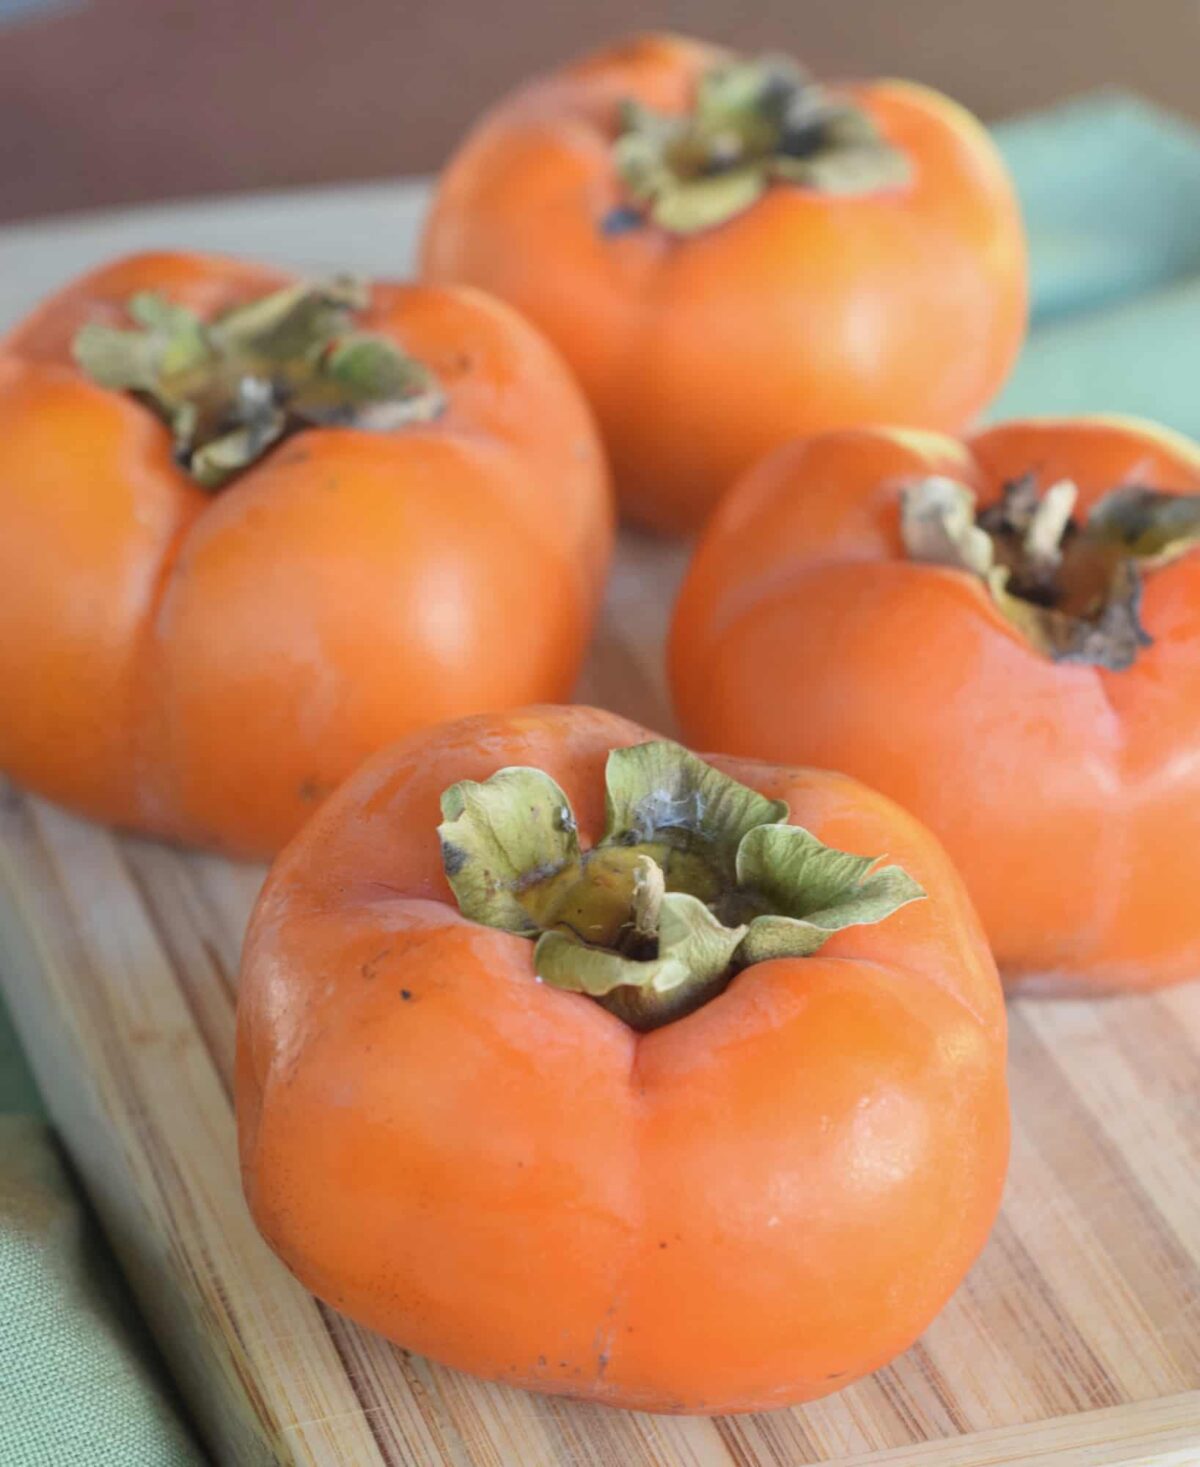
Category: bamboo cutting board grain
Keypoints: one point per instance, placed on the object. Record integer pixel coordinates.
(1075, 1340)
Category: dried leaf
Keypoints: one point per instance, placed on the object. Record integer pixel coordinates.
(937, 524)
(1074, 594)
(1150, 524)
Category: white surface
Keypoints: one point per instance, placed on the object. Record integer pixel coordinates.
(368, 229)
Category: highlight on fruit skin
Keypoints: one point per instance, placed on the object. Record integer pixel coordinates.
(731, 252)
(1003, 634)
(253, 528)
(472, 1116)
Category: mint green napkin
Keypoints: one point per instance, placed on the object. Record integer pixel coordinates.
(1110, 188)
(1111, 192)
(78, 1383)
(18, 1090)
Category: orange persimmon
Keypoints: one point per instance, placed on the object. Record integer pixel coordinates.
(1003, 634)
(729, 253)
(658, 1158)
(253, 529)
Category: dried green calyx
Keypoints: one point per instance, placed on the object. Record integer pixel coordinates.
(1072, 587)
(753, 123)
(232, 387)
(695, 877)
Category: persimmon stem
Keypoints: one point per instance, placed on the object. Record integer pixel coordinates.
(1072, 587)
(233, 387)
(753, 123)
(695, 877)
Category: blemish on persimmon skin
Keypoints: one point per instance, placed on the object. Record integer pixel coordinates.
(370, 968)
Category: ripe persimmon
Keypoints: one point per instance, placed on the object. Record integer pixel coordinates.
(730, 253)
(252, 529)
(572, 1060)
(1003, 634)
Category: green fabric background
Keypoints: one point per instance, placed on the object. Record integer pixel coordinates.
(1111, 193)
(80, 1382)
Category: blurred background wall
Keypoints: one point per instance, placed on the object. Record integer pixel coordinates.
(116, 101)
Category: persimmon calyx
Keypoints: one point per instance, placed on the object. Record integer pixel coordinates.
(694, 878)
(752, 123)
(232, 387)
(1073, 588)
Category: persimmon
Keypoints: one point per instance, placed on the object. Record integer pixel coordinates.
(730, 253)
(1003, 634)
(253, 528)
(577, 1062)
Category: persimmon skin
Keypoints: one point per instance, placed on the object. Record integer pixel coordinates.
(1067, 795)
(748, 1207)
(805, 313)
(207, 667)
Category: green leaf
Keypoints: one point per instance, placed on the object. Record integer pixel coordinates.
(289, 325)
(171, 341)
(846, 170)
(688, 208)
(752, 122)
(126, 361)
(794, 872)
(694, 877)
(1146, 523)
(660, 793)
(231, 388)
(372, 367)
(730, 91)
(503, 839)
(1074, 595)
(810, 891)
(368, 382)
(690, 936)
(694, 948)
(218, 460)
(155, 312)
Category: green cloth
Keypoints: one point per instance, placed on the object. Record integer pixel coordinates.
(1111, 193)
(18, 1089)
(1110, 189)
(78, 1380)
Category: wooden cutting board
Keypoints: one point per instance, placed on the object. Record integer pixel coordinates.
(1075, 1339)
